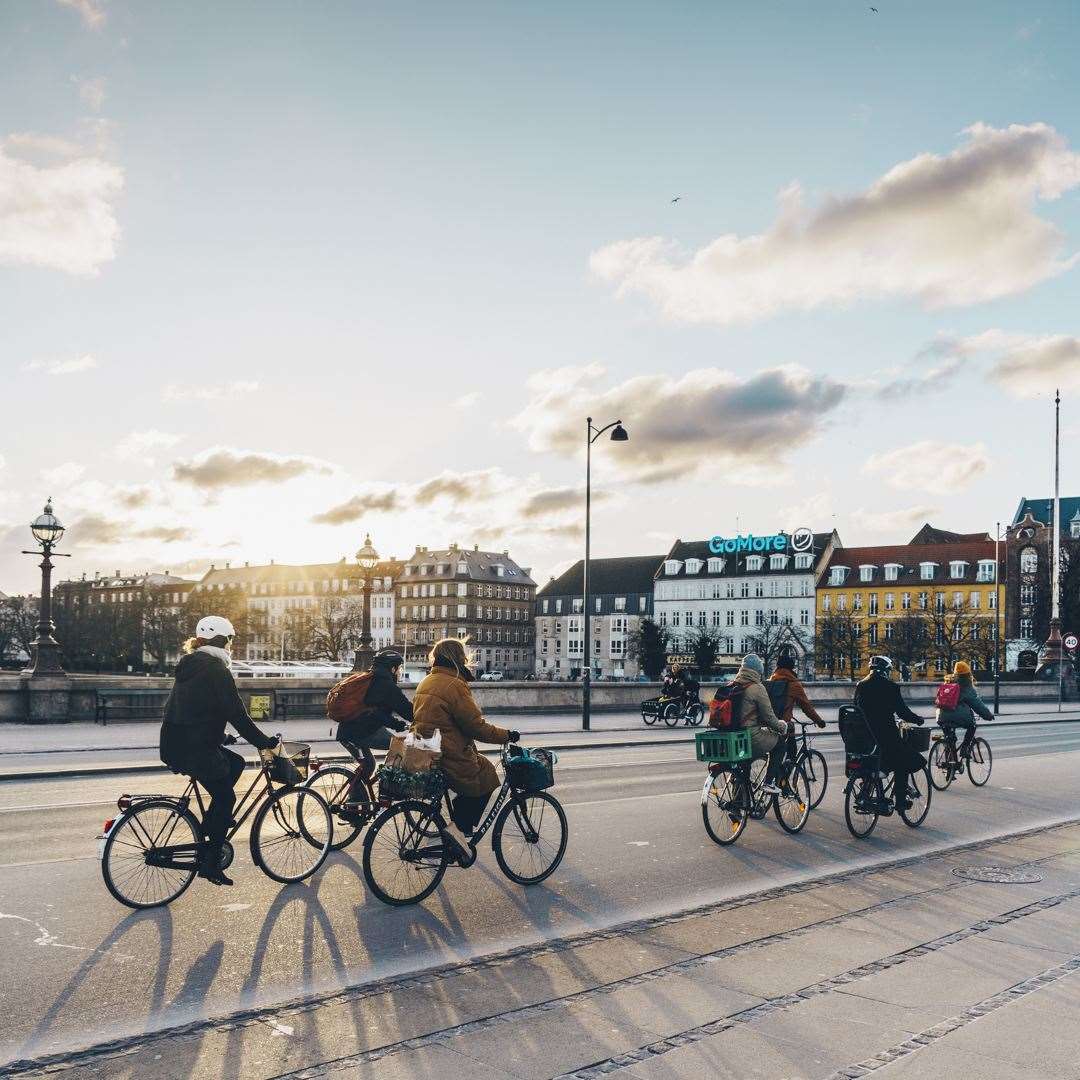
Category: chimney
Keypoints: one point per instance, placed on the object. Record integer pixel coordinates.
(507, 554)
(476, 547)
(227, 565)
(271, 562)
(212, 566)
(246, 563)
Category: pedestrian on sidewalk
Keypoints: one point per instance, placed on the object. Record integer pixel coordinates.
(204, 699)
(443, 702)
(757, 716)
(967, 708)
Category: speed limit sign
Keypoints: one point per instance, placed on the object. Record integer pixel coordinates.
(1071, 641)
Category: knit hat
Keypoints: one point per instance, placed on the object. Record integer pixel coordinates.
(753, 662)
(961, 667)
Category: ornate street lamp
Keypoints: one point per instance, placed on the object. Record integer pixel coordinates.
(618, 434)
(45, 649)
(367, 558)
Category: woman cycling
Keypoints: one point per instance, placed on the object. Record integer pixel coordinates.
(204, 699)
(967, 708)
(444, 703)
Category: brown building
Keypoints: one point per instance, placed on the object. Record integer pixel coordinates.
(480, 595)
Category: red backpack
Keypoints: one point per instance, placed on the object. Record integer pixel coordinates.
(725, 709)
(346, 698)
(947, 696)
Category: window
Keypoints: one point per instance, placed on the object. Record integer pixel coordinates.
(641, 603)
(544, 606)
(804, 617)
(759, 588)
(693, 566)
(888, 631)
(841, 603)
(939, 602)
(1029, 561)
(986, 570)
(729, 618)
(578, 603)
(866, 573)
(598, 603)
(675, 617)
(871, 637)
(759, 617)
(856, 602)
(774, 617)
(701, 617)
(890, 601)
(620, 603)
(974, 601)
(826, 602)
(837, 575)
(1027, 594)
(663, 618)
(716, 566)
(992, 600)
(689, 618)
(754, 562)
(957, 599)
(892, 571)
(778, 562)
(716, 618)
(873, 603)
(922, 600)
(1025, 628)
(926, 570)
(671, 567)
(802, 561)
(744, 617)
(957, 569)
(729, 590)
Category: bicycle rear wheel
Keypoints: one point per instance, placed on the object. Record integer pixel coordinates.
(156, 827)
(941, 770)
(670, 715)
(333, 784)
(695, 714)
(860, 806)
(401, 864)
(817, 775)
(530, 837)
(922, 789)
(724, 807)
(291, 835)
(980, 762)
(792, 806)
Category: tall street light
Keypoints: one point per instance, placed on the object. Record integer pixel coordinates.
(45, 649)
(368, 558)
(618, 434)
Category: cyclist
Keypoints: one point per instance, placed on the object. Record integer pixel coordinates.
(795, 693)
(367, 732)
(765, 726)
(969, 706)
(880, 701)
(444, 703)
(204, 699)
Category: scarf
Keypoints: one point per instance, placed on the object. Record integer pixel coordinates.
(222, 654)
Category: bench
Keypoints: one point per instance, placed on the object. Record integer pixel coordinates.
(299, 703)
(131, 704)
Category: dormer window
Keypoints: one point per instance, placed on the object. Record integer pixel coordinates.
(837, 575)
(892, 571)
(754, 562)
(866, 573)
(802, 560)
(716, 566)
(462, 567)
(778, 562)
(672, 567)
(957, 568)
(926, 570)
(693, 566)
(986, 570)
(1074, 526)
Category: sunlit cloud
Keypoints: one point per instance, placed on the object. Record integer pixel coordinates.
(937, 467)
(74, 366)
(140, 445)
(92, 11)
(223, 467)
(946, 230)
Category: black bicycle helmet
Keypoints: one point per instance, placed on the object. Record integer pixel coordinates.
(787, 658)
(390, 658)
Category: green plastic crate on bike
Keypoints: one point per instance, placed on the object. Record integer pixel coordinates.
(723, 746)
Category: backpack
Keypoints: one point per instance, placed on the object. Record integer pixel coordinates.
(725, 709)
(777, 689)
(947, 696)
(346, 698)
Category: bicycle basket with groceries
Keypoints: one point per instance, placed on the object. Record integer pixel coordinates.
(530, 770)
(411, 769)
(287, 763)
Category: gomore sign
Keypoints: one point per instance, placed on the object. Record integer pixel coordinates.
(799, 540)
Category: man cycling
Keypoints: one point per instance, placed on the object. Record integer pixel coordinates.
(367, 731)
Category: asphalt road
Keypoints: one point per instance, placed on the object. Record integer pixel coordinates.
(87, 969)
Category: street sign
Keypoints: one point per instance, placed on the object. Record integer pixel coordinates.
(1071, 641)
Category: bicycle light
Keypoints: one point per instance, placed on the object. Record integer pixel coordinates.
(108, 825)
(124, 802)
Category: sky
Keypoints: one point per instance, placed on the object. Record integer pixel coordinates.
(274, 275)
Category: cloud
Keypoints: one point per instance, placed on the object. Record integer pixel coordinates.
(74, 366)
(936, 378)
(480, 486)
(91, 91)
(681, 425)
(891, 522)
(96, 530)
(92, 11)
(372, 502)
(224, 467)
(61, 214)
(953, 230)
(555, 501)
(133, 498)
(138, 445)
(467, 401)
(194, 392)
(166, 534)
(939, 467)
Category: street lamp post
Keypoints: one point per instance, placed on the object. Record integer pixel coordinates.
(45, 649)
(368, 558)
(618, 434)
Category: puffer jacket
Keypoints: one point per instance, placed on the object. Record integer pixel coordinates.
(796, 695)
(969, 706)
(757, 713)
(443, 702)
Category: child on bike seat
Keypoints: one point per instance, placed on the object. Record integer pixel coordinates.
(368, 731)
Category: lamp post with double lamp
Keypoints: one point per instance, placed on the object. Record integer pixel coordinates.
(618, 434)
(368, 558)
(45, 649)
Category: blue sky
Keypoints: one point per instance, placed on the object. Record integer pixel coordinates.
(268, 263)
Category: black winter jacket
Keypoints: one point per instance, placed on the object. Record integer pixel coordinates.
(204, 699)
(882, 704)
(384, 698)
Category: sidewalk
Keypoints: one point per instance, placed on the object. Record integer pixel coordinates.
(906, 972)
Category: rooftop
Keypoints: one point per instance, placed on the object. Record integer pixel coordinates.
(1043, 510)
(908, 557)
(480, 565)
(624, 575)
(734, 565)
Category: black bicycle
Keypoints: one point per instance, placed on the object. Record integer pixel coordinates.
(869, 794)
(671, 711)
(812, 762)
(949, 760)
(406, 852)
(150, 852)
(734, 793)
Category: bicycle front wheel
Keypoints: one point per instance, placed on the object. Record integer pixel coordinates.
(817, 775)
(792, 805)
(695, 714)
(671, 715)
(723, 808)
(649, 718)
(980, 762)
(333, 784)
(292, 833)
(860, 806)
(151, 854)
(530, 837)
(402, 865)
(921, 790)
(941, 771)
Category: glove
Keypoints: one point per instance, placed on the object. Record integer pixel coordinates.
(273, 742)
(399, 725)
(819, 723)
(513, 736)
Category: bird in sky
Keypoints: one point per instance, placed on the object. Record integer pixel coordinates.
(676, 199)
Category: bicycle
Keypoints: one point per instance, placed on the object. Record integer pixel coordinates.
(948, 760)
(813, 765)
(149, 853)
(868, 796)
(733, 793)
(403, 866)
(690, 712)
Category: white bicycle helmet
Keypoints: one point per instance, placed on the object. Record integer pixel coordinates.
(213, 626)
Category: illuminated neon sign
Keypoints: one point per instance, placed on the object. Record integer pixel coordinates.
(800, 540)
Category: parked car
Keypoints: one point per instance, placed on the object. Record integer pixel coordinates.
(491, 676)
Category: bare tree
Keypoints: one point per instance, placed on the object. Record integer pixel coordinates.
(907, 641)
(768, 639)
(336, 627)
(839, 644)
(163, 628)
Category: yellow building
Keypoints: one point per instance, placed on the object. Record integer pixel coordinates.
(925, 604)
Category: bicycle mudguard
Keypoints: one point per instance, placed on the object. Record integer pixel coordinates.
(707, 789)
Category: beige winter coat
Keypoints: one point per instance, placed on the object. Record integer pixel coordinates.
(757, 713)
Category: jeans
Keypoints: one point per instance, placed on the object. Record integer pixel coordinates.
(218, 775)
(360, 747)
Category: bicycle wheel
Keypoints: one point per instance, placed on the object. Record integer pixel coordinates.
(670, 715)
(941, 770)
(920, 800)
(817, 775)
(333, 783)
(649, 718)
(860, 806)
(127, 859)
(723, 807)
(530, 837)
(401, 865)
(695, 714)
(980, 762)
(792, 806)
(291, 835)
